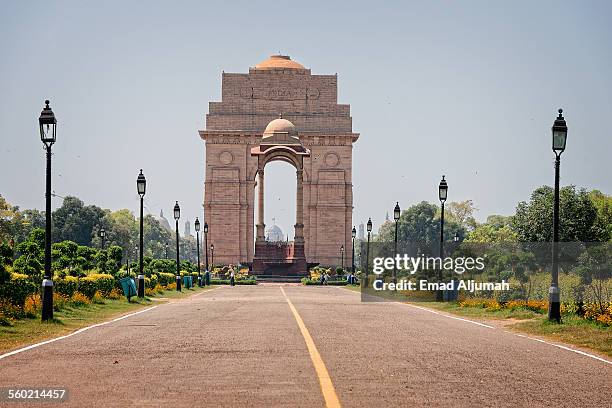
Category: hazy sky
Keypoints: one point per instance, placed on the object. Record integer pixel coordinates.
(464, 88)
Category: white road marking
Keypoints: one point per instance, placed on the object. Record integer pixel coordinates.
(10, 353)
(506, 331)
(564, 348)
(449, 316)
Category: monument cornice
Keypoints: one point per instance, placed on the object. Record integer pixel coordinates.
(247, 137)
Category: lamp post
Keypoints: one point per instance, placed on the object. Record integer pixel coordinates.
(206, 242)
(456, 237)
(197, 228)
(48, 127)
(141, 187)
(396, 217)
(367, 265)
(342, 258)
(442, 195)
(177, 215)
(353, 235)
(102, 236)
(559, 138)
(212, 255)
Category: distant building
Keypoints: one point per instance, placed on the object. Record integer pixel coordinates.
(361, 235)
(187, 228)
(274, 233)
(163, 221)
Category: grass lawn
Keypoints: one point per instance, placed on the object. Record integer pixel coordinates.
(69, 319)
(574, 330)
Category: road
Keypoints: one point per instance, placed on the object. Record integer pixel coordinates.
(285, 346)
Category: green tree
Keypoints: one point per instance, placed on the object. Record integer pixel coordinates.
(462, 212)
(420, 224)
(76, 222)
(533, 219)
(603, 222)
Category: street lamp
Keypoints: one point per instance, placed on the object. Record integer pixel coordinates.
(456, 237)
(396, 216)
(197, 228)
(367, 264)
(48, 127)
(342, 258)
(177, 215)
(442, 195)
(212, 255)
(206, 242)
(353, 235)
(559, 138)
(102, 236)
(141, 187)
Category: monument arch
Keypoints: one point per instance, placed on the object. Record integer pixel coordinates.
(243, 133)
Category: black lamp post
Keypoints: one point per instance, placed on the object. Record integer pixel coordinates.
(442, 195)
(396, 217)
(48, 127)
(197, 228)
(141, 186)
(353, 235)
(559, 138)
(177, 215)
(102, 236)
(367, 264)
(206, 242)
(212, 255)
(342, 258)
(456, 237)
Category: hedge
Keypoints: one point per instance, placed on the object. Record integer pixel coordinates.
(97, 282)
(166, 278)
(308, 282)
(66, 286)
(237, 282)
(17, 289)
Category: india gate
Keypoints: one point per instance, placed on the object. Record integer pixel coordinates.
(279, 111)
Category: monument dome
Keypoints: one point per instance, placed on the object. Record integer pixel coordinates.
(274, 233)
(280, 131)
(279, 61)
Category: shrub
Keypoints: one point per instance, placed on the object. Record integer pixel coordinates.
(97, 282)
(10, 311)
(166, 278)
(17, 289)
(115, 294)
(79, 299)
(237, 282)
(66, 286)
(32, 305)
(171, 286)
(60, 301)
(98, 298)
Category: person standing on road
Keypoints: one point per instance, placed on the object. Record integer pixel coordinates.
(232, 279)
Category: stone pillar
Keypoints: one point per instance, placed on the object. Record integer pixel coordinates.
(261, 226)
(299, 211)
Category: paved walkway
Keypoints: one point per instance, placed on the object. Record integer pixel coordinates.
(284, 345)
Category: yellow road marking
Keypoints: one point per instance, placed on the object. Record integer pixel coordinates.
(327, 387)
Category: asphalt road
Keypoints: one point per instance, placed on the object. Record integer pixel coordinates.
(243, 346)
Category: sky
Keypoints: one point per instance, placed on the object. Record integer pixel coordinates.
(468, 89)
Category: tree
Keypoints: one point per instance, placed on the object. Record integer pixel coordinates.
(76, 222)
(419, 224)
(603, 222)
(462, 212)
(533, 220)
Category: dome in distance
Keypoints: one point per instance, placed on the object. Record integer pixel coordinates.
(279, 61)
